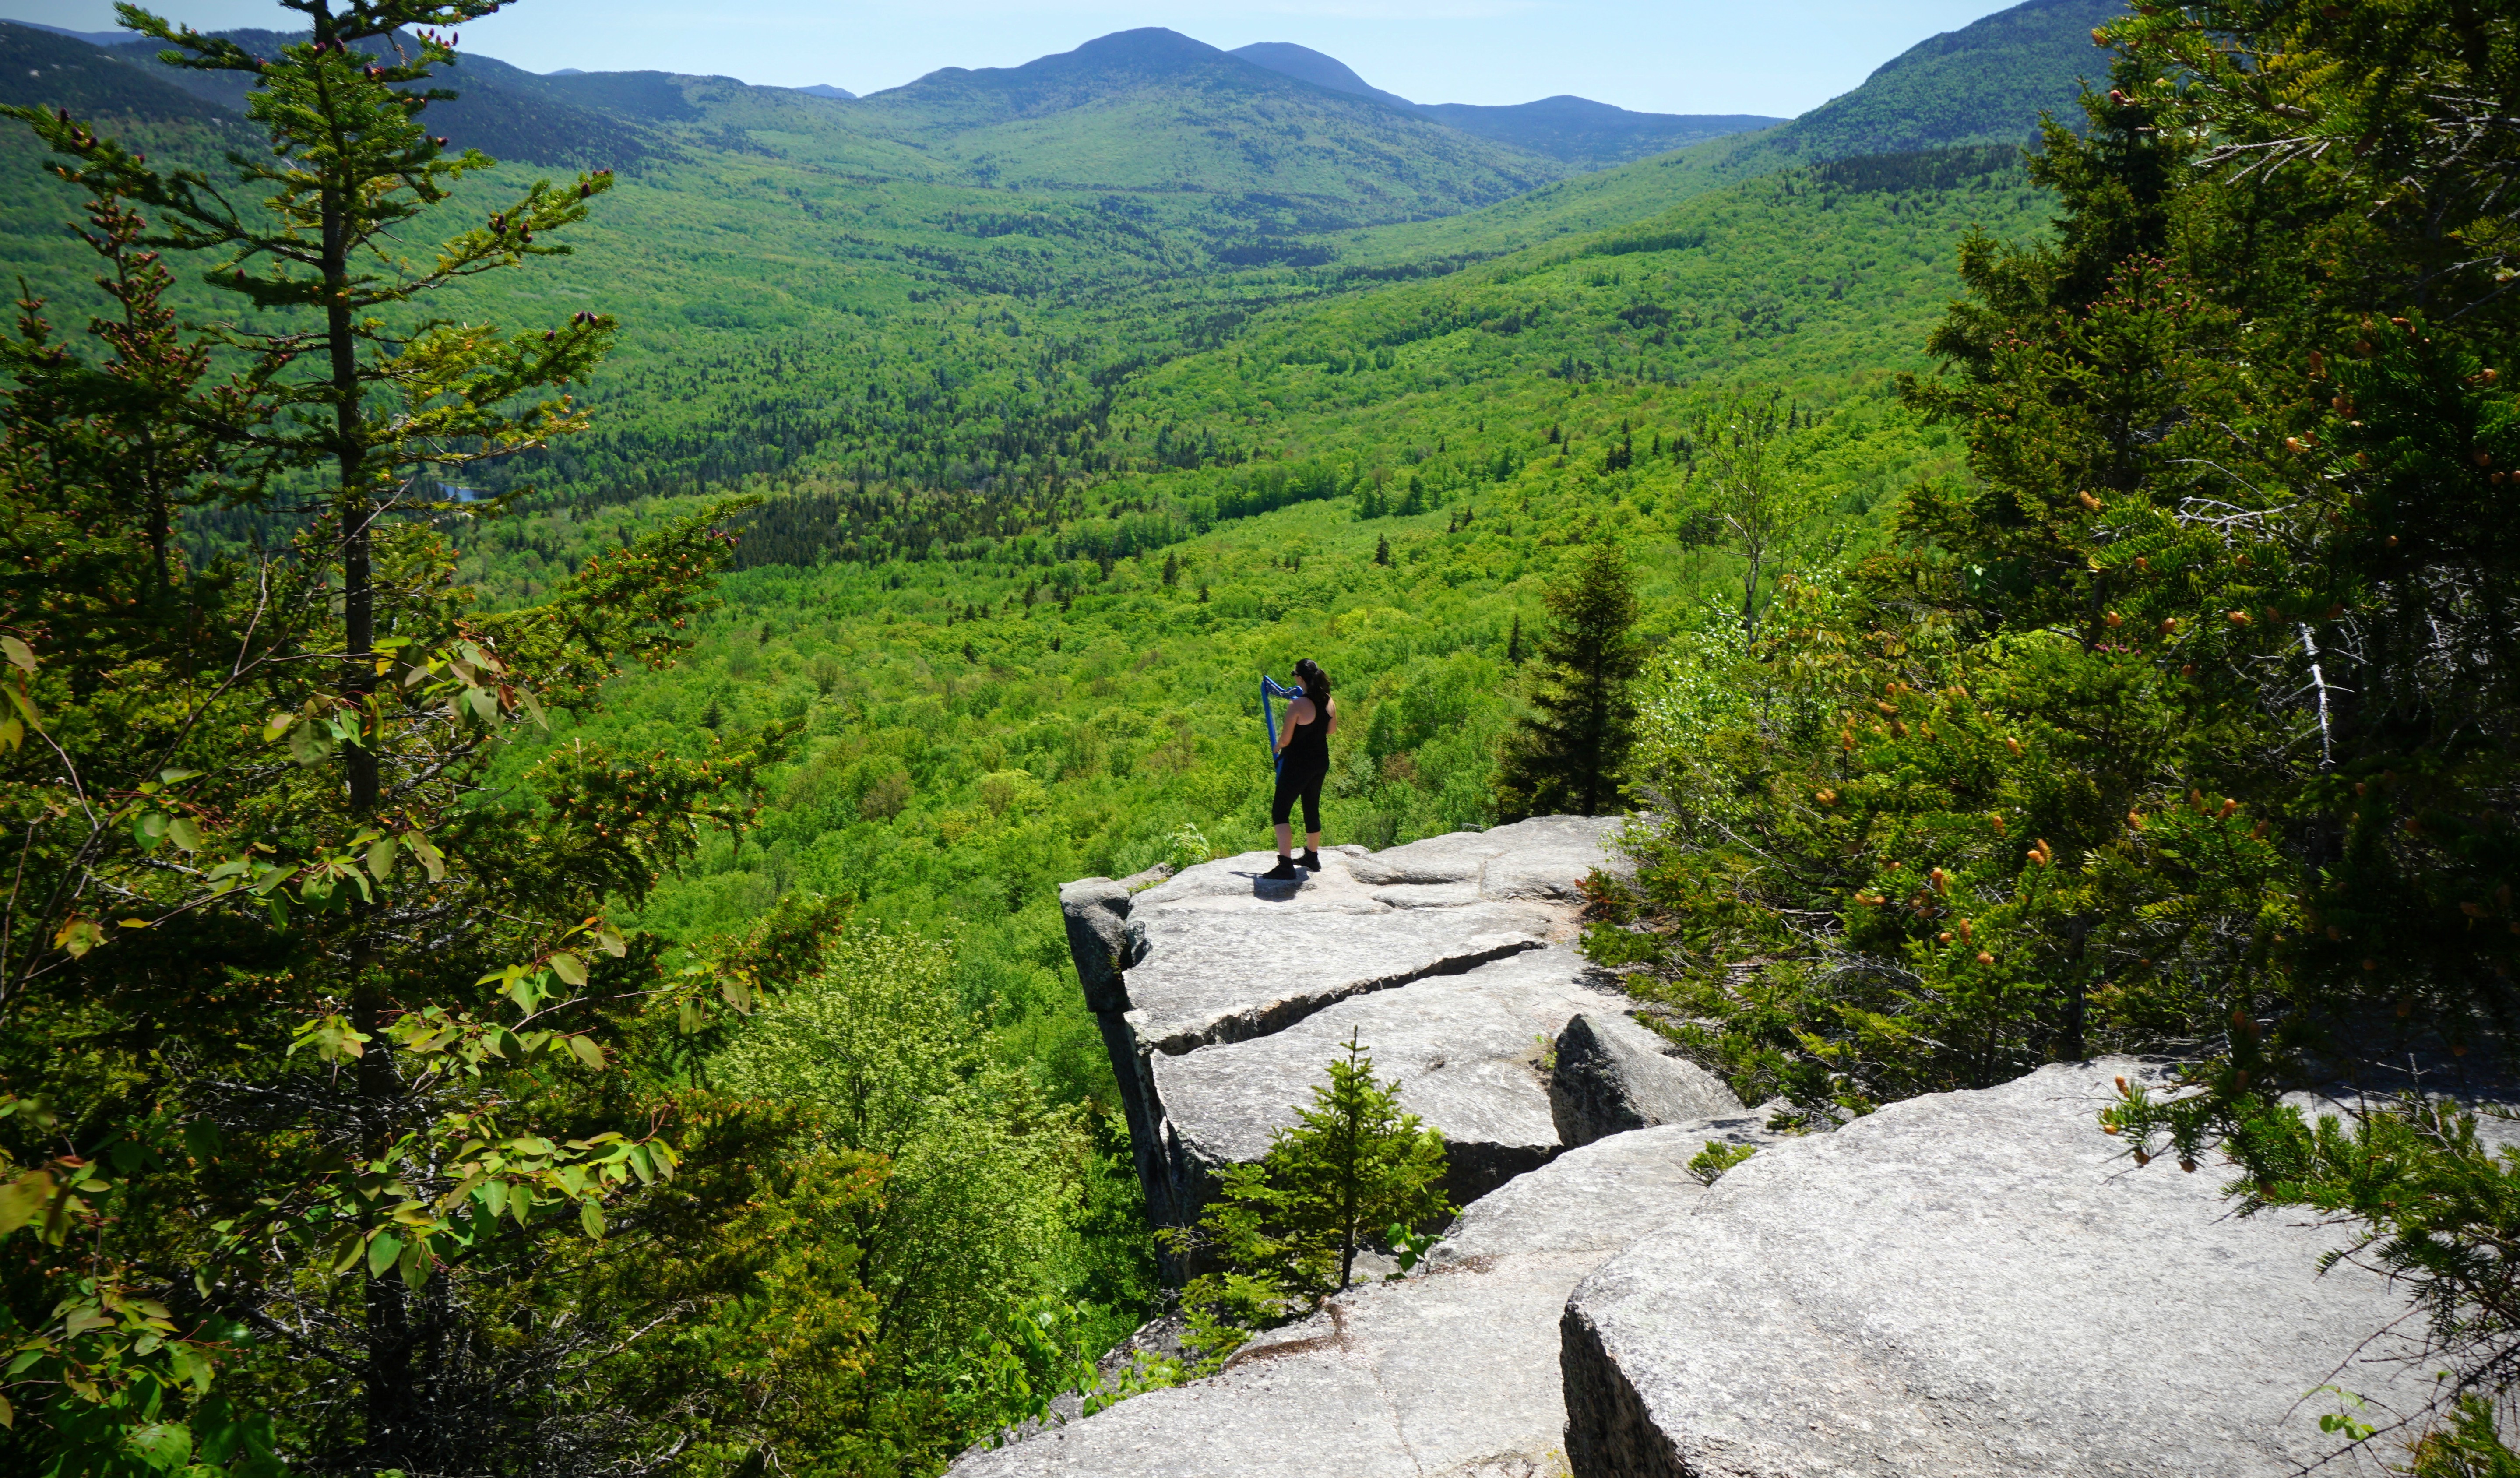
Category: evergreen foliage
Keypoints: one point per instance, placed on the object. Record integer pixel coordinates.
(1570, 752)
(2188, 725)
(344, 1127)
(1286, 1229)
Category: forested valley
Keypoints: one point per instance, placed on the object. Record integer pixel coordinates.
(554, 670)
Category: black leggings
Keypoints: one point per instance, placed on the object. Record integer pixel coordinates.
(1294, 784)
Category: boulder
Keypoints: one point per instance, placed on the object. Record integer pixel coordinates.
(1218, 955)
(1452, 1370)
(1230, 955)
(1612, 1075)
(1974, 1286)
(1465, 1049)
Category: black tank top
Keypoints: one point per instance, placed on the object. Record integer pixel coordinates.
(1311, 746)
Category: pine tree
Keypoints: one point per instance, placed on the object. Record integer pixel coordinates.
(1514, 643)
(1568, 751)
(1288, 1229)
(1383, 551)
(279, 941)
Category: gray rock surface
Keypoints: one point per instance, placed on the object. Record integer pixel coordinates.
(1612, 1075)
(1216, 975)
(1598, 1198)
(1451, 1371)
(1973, 1285)
(1465, 1049)
(1218, 957)
(1546, 857)
(1100, 939)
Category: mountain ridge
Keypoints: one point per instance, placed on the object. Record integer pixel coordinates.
(1983, 83)
(47, 66)
(1151, 108)
(1575, 131)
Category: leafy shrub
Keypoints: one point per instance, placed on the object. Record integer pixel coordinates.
(973, 1246)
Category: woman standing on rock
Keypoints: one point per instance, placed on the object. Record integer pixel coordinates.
(1303, 763)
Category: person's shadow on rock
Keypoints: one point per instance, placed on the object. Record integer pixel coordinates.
(1274, 890)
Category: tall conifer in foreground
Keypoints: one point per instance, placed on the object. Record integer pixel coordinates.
(1568, 752)
(335, 1114)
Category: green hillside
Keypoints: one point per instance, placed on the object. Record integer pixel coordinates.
(1582, 131)
(40, 68)
(1322, 71)
(1984, 84)
(1975, 85)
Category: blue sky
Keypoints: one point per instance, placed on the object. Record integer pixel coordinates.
(1776, 56)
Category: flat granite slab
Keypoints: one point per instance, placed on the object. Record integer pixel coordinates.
(1451, 1371)
(1976, 1285)
(1230, 955)
(1546, 857)
(1213, 976)
(1465, 1050)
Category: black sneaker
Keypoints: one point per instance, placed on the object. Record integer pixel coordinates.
(1284, 872)
(1310, 862)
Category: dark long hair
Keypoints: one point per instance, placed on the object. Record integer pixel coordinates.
(1316, 683)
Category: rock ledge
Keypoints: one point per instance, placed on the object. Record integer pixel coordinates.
(1973, 1285)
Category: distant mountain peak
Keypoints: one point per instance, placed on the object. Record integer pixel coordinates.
(1124, 58)
(1577, 130)
(1145, 43)
(1305, 64)
(826, 90)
